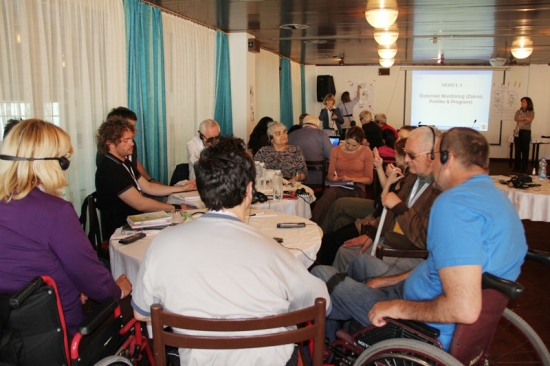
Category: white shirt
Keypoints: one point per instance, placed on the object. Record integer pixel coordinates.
(194, 148)
(216, 266)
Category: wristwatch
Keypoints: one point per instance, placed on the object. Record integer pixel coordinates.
(177, 207)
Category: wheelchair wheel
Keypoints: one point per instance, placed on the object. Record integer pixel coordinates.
(515, 342)
(401, 351)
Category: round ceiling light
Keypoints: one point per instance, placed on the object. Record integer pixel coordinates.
(497, 62)
(381, 17)
(522, 47)
(388, 51)
(386, 36)
(386, 62)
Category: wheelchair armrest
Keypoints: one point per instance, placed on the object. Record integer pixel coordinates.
(18, 298)
(508, 288)
(382, 252)
(98, 316)
(538, 256)
(418, 326)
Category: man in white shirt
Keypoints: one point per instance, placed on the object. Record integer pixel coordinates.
(209, 132)
(217, 266)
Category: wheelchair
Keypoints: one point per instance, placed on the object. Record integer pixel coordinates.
(36, 333)
(499, 336)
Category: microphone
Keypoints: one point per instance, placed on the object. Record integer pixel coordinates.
(475, 120)
(419, 123)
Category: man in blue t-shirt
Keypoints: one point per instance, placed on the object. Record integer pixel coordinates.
(474, 228)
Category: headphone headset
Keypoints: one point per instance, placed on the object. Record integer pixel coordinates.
(270, 137)
(432, 152)
(256, 196)
(63, 161)
(443, 154)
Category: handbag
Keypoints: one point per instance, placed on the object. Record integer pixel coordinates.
(352, 123)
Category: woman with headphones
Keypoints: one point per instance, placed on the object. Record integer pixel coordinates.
(280, 155)
(39, 231)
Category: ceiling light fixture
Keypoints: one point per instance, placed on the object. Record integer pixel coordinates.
(387, 51)
(386, 36)
(381, 17)
(386, 62)
(522, 47)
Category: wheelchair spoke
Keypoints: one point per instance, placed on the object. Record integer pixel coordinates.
(516, 343)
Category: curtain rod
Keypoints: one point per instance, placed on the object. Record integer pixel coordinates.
(171, 12)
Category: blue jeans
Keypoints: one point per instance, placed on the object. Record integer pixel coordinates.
(352, 299)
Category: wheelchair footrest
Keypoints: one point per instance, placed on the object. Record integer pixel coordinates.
(397, 329)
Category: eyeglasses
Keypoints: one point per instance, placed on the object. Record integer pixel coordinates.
(209, 140)
(413, 156)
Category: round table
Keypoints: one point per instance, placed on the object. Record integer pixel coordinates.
(302, 242)
(531, 203)
(299, 206)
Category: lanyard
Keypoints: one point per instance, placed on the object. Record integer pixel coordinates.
(131, 172)
(413, 197)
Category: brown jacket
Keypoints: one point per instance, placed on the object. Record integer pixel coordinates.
(413, 221)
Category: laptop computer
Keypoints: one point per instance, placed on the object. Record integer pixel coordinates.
(334, 140)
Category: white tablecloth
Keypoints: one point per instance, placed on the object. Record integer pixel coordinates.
(302, 242)
(294, 206)
(531, 203)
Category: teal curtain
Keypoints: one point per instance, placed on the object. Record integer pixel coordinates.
(223, 113)
(286, 94)
(146, 93)
(303, 84)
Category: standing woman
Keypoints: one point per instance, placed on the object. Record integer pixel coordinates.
(331, 117)
(39, 231)
(522, 134)
(346, 107)
(280, 155)
(349, 161)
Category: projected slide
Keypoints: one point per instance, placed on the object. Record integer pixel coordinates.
(453, 98)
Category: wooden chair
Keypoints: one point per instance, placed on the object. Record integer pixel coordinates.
(162, 337)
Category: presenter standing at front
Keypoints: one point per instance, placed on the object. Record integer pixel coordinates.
(522, 134)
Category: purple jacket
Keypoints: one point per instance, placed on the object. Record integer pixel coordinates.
(41, 235)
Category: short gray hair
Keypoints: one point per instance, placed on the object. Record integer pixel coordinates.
(208, 123)
(312, 120)
(380, 117)
(271, 126)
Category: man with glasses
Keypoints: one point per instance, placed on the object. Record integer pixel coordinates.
(209, 132)
(406, 222)
(474, 228)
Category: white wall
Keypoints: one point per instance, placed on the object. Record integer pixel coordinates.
(532, 81)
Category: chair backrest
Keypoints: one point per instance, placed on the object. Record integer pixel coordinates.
(316, 331)
(181, 172)
(89, 219)
(471, 342)
(317, 184)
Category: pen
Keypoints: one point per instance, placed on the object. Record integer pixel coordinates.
(257, 214)
(335, 174)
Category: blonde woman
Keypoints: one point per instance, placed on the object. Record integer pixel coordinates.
(39, 231)
(330, 116)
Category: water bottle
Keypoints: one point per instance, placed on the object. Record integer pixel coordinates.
(258, 174)
(262, 173)
(277, 186)
(542, 168)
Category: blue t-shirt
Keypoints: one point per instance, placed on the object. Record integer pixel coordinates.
(473, 223)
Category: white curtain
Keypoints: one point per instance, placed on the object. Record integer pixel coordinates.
(190, 71)
(296, 78)
(268, 85)
(64, 61)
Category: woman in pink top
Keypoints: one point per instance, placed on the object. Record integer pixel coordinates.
(350, 161)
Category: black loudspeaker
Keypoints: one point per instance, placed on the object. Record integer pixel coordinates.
(325, 85)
